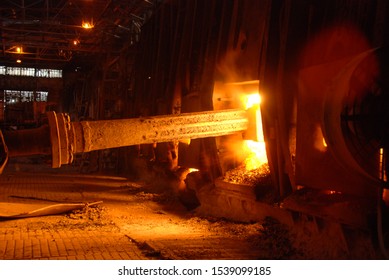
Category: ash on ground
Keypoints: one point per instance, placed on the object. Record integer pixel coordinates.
(275, 241)
(88, 217)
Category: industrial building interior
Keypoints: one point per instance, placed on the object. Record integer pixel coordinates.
(199, 129)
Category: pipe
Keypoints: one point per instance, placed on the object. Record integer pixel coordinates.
(97, 135)
(28, 142)
(63, 138)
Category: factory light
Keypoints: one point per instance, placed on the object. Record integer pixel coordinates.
(87, 24)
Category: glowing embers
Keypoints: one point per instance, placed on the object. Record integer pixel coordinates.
(256, 177)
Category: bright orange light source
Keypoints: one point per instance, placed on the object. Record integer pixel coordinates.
(185, 141)
(324, 143)
(18, 61)
(87, 25)
(193, 170)
(75, 42)
(255, 150)
(19, 49)
(251, 100)
(256, 154)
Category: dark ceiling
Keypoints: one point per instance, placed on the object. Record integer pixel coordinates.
(50, 32)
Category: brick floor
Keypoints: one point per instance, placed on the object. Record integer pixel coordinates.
(19, 241)
(89, 245)
(54, 237)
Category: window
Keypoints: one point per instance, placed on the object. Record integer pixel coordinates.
(15, 96)
(30, 72)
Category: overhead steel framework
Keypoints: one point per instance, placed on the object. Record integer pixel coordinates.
(51, 30)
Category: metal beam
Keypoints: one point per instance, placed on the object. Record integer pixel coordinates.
(63, 138)
(68, 138)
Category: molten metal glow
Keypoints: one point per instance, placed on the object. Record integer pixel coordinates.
(251, 100)
(256, 151)
(193, 170)
(324, 143)
(256, 154)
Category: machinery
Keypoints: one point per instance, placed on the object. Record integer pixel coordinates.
(62, 138)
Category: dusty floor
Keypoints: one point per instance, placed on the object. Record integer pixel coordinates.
(134, 221)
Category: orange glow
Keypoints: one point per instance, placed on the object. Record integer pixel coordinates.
(246, 152)
(331, 192)
(385, 196)
(76, 42)
(251, 100)
(255, 150)
(193, 170)
(382, 168)
(18, 61)
(324, 142)
(19, 49)
(87, 25)
(334, 43)
(185, 141)
(256, 154)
